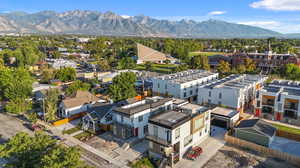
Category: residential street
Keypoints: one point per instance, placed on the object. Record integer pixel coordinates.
(10, 126)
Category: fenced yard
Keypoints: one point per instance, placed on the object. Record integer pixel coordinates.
(261, 149)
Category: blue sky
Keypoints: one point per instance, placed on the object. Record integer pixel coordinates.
(278, 15)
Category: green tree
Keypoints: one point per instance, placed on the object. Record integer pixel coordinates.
(291, 72)
(200, 62)
(250, 65)
(66, 74)
(47, 75)
(223, 68)
(181, 67)
(50, 104)
(104, 65)
(18, 106)
(38, 151)
(77, 85)
(123, 86)
(126, 63)
(241, 68)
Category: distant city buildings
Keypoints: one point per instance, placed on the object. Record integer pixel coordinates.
(183, 85)
(279, 101)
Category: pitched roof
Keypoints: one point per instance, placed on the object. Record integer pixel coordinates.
(81, 98)
(99, 110)
(258, 125)
(149, 54)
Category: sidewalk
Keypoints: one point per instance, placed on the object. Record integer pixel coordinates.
(71, 141)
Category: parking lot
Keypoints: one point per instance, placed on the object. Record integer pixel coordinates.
(286, 145)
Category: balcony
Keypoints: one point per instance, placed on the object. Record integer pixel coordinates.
(268, 102)
(267, 110)
(158, 140)
(290, 114)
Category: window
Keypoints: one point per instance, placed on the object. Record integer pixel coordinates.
(157, 85)
(187, 140)
(209, 93)
(155, 131)
(122, 119)
(177, 133)
(168, 132)
(146, 129)
(220, 95)
(198, 123)
(141, 118)
(150, 145)
(258, 103)
(191, 92)
(200, 133)
(257, 94)
(279, 106)
(184, 94)
(209, 101)
(166, 86)
(197, 90)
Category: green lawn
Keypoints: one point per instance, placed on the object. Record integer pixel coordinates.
(287, 129)
(71, 131)
(205, 53)
(143, 163)
(160, 68)
(83, 135)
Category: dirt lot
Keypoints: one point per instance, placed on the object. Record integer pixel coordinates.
(232, 157)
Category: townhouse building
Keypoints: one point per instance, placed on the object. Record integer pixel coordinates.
(174, 132)
(182, 85)
(235, 91)
(131, 120)
(279, 101)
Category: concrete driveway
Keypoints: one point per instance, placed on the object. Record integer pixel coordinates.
(210, 147)
(286, 145)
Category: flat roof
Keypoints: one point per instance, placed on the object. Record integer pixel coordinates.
(226, 112)
(170, 119)
(186, 76)
(235, 81)
(179, 101)
(149, 103)
(194, 107)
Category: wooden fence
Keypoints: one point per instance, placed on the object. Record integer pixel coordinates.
(288, 135)
(267, 151)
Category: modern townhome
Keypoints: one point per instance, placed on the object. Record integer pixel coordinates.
(234, 91)
(279, 101)
(182, 85)
(256, 131)
(77, 104)
(131, 120)
(174, 132)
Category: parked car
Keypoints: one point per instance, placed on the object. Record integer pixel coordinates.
(194, 153)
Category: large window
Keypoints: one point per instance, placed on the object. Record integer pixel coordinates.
(141, 118)
(188, 140)
(198, 123)
(155, 131)
(177, 133)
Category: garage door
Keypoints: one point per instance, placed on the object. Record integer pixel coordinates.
(219, 123)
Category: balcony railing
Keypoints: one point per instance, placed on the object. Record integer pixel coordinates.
(158, 140)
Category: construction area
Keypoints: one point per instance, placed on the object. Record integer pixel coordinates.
(233, 157)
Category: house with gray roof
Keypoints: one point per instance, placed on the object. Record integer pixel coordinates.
(256, 131)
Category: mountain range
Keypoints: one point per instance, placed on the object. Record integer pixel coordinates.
(111, 24)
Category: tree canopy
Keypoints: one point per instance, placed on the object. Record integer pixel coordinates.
(123, 86)
(39, 151)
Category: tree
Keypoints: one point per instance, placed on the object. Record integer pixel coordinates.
(223, 68)
(148, 66)
(56, 54)
(126, 63)
(47, 75)
(241, 68)
(167, 61)
(123, 86)
(104, 65)
(250, 65)
(18, 106)
(39, 151)
(77, 85)
(50, 104)
(291, 72)
(181, 67)
(66, 74)
(200, 62)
